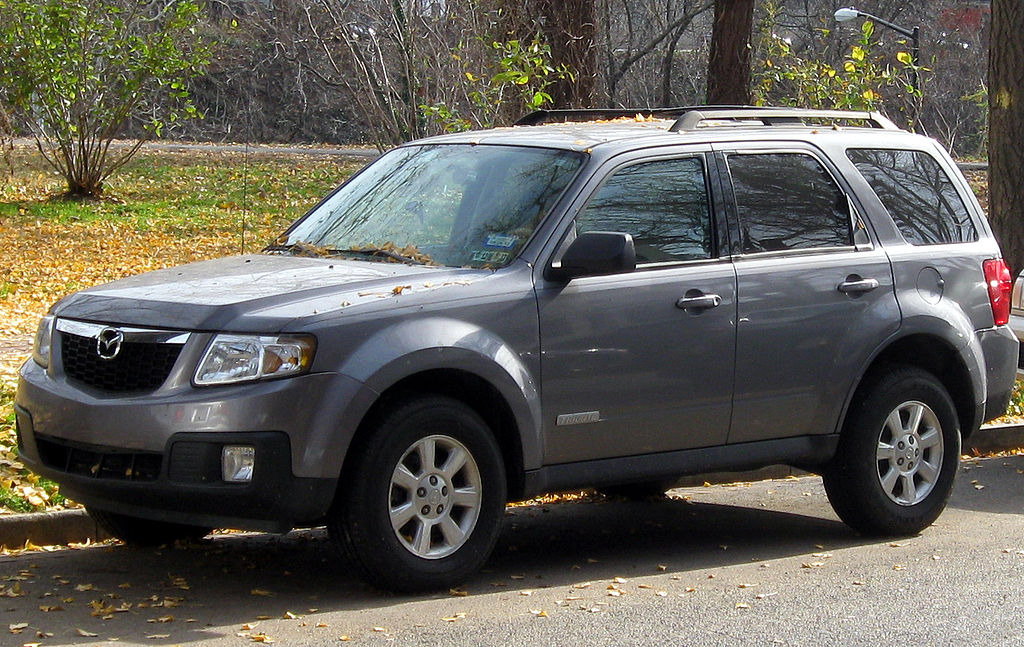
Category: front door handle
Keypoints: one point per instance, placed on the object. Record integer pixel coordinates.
(701, 302)
(856, 285)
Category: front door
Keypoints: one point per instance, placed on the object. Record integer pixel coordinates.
(642, 362)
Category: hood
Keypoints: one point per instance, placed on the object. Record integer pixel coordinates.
(216, 294)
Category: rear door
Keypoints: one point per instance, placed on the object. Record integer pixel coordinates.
(642, 362)
(814, 292)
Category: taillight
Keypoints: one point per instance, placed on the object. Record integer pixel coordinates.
(1000, 287)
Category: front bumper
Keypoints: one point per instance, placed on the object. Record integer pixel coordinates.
(158, 456)
(182, 484)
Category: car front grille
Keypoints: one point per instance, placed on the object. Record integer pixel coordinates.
(98, 462)
(142, 362)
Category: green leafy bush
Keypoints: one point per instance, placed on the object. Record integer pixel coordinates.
(864, 81)
(76, 71)
(517, 79)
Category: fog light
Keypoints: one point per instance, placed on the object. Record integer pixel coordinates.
(236, 463)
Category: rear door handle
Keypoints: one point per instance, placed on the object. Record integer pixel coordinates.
(857, 285)
(702, 302)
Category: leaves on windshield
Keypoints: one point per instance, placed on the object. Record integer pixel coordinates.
(389, 252)
(302, 248)
(408, 254)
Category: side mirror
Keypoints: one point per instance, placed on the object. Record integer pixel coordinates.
(594, 253)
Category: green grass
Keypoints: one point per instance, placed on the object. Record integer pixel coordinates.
(1016, 408)
(180, 192)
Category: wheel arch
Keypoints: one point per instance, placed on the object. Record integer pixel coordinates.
(469, 388)
(939, 357)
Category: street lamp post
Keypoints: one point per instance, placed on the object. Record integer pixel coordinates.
(914, 34)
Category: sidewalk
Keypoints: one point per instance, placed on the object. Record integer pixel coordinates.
(360, 152)
(75, 526)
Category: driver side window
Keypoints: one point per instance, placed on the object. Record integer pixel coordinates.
(663, 204)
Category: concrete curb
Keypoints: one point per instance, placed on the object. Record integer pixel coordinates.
(48, 528)
(71, 526)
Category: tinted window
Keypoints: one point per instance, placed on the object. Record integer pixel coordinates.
(664, 205)
(788, 201)
(918, 195)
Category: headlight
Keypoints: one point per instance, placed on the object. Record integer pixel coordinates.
(41, 345)
(244, 358)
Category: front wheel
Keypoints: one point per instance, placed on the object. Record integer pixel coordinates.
(898, 455)
(421, 504)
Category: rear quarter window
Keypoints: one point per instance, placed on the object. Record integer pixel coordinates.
(917, 193)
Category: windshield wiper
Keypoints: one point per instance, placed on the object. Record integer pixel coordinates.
(380, 251)
(302, 248)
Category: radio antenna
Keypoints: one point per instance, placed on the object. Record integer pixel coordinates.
(245, 171)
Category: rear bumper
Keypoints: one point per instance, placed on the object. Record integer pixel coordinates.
(1000, 348)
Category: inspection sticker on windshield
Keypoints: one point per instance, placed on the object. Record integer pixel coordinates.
(483, 256)
(500, 240)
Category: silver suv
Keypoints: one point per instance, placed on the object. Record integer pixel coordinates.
(587, 299)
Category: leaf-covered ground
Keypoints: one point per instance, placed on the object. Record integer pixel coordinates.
(163, 209)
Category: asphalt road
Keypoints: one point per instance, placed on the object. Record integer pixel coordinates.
(757, 564)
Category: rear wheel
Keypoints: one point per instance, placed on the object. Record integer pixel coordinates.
(898, 455)
(421, 506)
(144, 532)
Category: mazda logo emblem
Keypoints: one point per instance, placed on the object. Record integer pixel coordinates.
(108, 343)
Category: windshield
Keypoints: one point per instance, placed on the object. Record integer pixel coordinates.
(458, 205)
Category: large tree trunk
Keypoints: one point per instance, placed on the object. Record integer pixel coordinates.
(729, 60)
(569, 28)
(1006, 123)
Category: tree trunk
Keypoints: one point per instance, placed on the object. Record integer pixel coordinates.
(729, 60)
(569, 28)
(1006, 123)
(667, 63)
(570, 31)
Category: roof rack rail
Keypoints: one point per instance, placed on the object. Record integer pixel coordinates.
(692, 117)
(586, 114)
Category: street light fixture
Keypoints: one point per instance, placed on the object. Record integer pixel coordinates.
(849, 13)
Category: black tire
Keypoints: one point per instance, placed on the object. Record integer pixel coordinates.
(447, 518)
(893, 476)
(143, 532)
(643, 491)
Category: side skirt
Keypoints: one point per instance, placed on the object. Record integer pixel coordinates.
(805, 452)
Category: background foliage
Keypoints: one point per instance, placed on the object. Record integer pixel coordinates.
(865, 79)
(381, 72)
(76, 71)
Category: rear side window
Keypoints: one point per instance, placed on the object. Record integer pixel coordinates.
(788, 201)
(664, 205)
(920, 197)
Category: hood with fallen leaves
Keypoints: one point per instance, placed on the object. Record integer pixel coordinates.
(256, 293)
